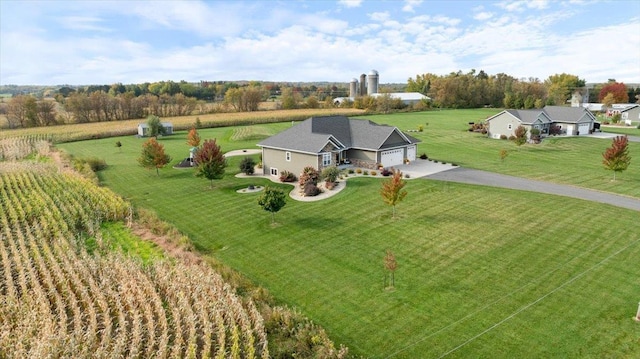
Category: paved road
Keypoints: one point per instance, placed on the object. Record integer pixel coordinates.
(471, 176)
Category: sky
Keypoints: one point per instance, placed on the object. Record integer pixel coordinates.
(105, 42)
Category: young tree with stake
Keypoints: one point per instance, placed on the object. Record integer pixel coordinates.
(390, 265)
(392, 192)
(616, 158)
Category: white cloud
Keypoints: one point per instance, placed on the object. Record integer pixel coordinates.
(482, 16)
(215, 41)
(379, 16)
(350, 3)
(83, 23)
(410, 5)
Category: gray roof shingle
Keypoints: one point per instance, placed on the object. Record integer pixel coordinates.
(312, 135)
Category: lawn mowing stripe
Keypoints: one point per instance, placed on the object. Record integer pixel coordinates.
(570, 281)
(540, 279)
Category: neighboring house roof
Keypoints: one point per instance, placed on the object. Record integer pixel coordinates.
(631, 107)
(526, 117)
(568, 114)
(529, 117)
(621, 106)
(594, 106)
(313, 135)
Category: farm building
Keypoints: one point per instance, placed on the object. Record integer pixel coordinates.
(143, 129)
(368, 86)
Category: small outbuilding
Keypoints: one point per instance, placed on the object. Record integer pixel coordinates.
(143, 129)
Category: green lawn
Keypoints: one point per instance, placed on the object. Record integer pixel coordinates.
(574, 161)
(631, 130)
(482, 272)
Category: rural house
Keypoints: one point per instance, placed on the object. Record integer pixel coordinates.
(630, 114)
(321, 142)
(569, 121)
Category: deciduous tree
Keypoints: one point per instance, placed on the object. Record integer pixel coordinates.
(521, 135)
(193, 137)
(390, 265)
(272, 200)
(153, 155)
(616, 158)
(392, 190)
(209, 160)
(155, 126)
(618, 91)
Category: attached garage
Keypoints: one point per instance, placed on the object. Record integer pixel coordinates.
(411, 153)
(392, 157)
(583, 128)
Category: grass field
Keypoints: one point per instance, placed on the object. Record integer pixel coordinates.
(482, 272)
(629, 130)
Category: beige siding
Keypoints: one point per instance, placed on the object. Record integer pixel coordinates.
(499, 125)
(277, 159)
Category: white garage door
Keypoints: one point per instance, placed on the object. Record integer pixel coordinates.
(583, 128)
(411, 153)
(392, 157)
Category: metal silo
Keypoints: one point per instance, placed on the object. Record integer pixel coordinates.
(353, 88)
(363, 85)
(372, 85)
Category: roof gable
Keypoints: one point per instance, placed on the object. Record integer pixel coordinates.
(568, 114)
(312, 135)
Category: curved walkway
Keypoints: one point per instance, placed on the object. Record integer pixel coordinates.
(478, 177)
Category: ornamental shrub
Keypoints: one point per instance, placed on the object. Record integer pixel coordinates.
(286, 176)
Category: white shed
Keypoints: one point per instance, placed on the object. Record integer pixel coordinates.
(143, 129)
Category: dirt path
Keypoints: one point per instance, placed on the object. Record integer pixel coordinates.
(478, 177)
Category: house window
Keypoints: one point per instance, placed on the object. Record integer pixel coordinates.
(326, 159)
(287, 156)
(509, 126)
(274, 171)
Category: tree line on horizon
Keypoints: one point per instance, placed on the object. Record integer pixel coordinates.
(102, 103)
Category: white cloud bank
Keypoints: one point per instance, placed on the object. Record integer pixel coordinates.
(196, 41)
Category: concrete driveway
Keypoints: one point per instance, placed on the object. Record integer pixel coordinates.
(478, 177)
(608, 136)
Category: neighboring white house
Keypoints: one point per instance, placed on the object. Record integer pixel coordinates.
(630, 114)
(143, 129)
(570, 121)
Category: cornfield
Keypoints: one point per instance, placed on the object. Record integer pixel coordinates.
(57, 300)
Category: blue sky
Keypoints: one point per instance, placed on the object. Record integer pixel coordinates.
(104, 42)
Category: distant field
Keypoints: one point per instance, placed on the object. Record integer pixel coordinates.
(482, 272)
(75, 132)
